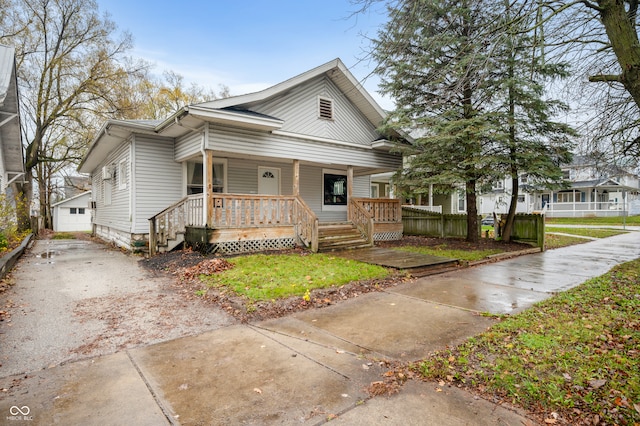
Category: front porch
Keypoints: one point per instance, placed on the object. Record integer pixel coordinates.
(240, 223)
(584, 200)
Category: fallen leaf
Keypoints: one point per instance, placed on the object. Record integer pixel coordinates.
(566, 376)
(256, 390)
(550, 421)
(637, 407)
(597, 384)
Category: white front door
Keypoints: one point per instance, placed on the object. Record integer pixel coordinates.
(268, 181)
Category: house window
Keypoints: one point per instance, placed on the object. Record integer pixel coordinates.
(462, 201)
(106, 192)
(195, 180)
(335, 189)
(568, 197)
(73, 210)
(80, 210)
(374, 191)
(325, 108)
(122, 174)
(498, 185)
(521, 198)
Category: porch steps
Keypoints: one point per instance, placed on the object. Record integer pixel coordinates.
(172, 243)
(340, 236)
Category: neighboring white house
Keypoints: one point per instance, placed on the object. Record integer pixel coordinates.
(11, 160)
(260, 170)
(591, 191)
(73, 214)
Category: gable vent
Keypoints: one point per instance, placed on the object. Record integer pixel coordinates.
(325, 108)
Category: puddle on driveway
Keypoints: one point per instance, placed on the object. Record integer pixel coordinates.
(49, 254)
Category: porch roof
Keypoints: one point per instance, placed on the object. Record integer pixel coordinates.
(10, 114)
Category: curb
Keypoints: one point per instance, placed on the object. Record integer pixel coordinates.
(7, 261)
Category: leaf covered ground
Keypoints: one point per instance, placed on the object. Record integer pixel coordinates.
(572, 359)
(188, 265)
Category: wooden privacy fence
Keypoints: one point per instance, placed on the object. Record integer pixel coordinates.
(421, 222)
(528, 228)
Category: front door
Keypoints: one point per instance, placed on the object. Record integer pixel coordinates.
(268, 181)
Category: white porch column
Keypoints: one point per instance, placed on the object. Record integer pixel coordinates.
(207, 205)
(296, 178)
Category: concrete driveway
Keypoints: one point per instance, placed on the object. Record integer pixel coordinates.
(313, 366)
(76, 299)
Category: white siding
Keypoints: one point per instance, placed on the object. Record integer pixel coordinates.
(64, 221)
(158, 179)
(242, 176)
(254, 143)
(117, 215)
(298, 108)
(188, 146)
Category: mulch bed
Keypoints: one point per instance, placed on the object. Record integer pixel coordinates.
(187, 265)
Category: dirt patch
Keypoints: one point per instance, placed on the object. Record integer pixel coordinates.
(186, 265)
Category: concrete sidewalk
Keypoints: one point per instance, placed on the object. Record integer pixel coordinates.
(312, 366)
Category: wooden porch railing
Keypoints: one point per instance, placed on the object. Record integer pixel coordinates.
(306, 223)
(173, 220)
(382, 210)
(235, 211)
(361, 218)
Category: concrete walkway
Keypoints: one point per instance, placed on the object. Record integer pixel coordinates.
(312, 366)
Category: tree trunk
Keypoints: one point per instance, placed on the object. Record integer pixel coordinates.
(472, 212)
(622, 34)
(511, 216)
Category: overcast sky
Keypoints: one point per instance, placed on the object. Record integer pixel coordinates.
(248, 45)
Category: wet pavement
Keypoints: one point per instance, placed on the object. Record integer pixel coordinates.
(313, 366)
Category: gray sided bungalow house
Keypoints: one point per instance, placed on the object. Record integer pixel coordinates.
(265, 170)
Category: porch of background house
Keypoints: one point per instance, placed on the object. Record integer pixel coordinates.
(584, 202)
(240, 223)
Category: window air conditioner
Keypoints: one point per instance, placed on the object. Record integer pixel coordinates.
(106, 172)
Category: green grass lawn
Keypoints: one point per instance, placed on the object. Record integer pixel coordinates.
(267, 277)
(587, 232)
(552, 241)
(576, 354)
(443, 251)
(615, 220)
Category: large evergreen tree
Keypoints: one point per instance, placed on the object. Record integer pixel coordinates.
(533, 143)
(434, 62)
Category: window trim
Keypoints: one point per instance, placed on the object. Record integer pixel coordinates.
(225, 169)
(123, 177)
(331, 207)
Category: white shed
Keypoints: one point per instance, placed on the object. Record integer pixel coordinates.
(72, 214)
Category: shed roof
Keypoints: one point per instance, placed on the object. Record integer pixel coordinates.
(67, 200)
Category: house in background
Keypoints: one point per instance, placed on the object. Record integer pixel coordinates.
(593, 191)
(11, 159)
(291, 164)
(73, 214)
